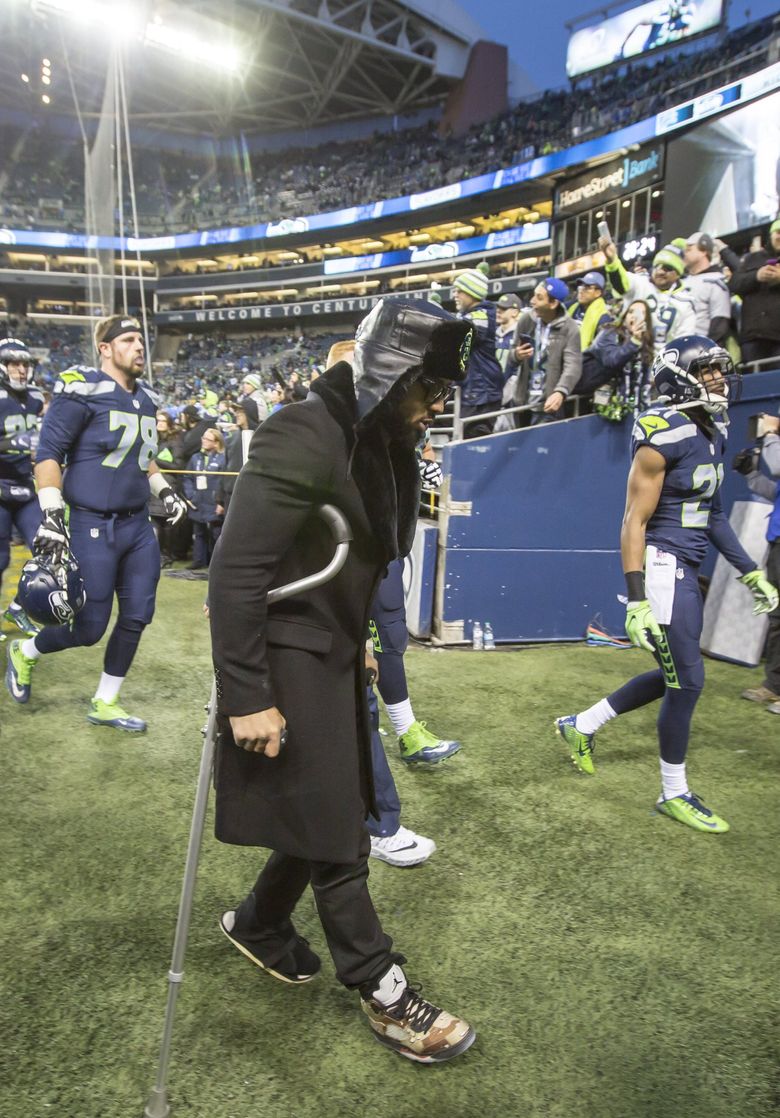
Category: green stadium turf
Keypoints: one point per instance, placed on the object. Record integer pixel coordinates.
(613, 963)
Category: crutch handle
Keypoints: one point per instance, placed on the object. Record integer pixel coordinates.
(342, 534)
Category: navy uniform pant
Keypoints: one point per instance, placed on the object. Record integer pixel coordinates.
(390, 635)
(25, 517)
(117, 554)
(385, 792)
(679, 679)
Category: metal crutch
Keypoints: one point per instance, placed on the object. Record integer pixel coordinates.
(157, 1105)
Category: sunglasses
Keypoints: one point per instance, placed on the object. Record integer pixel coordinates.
(435, 390)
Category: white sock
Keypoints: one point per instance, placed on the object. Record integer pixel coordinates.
(673, 780)
(108, 688)
(401, 715)
(594, 717)
(29, 649)
(391, 986)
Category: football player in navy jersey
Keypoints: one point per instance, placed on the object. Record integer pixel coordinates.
(673, 512)
(97, 445)
(21, 405)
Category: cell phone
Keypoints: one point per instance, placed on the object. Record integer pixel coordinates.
(603, 229)
(771, 261)
(524, 339)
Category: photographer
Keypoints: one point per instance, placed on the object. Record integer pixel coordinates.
(767, 450)
(757, 281)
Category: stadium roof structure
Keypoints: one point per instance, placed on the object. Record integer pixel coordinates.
(292, 63)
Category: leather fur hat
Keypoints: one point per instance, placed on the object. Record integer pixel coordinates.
(401, 339)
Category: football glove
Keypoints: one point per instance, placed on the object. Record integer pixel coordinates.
(640, 622)
(52, 539)
(765, 596)
(430, 473)
(175, 506)
(25, 442)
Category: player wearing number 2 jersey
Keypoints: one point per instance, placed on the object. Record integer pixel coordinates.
(673, 512)
(96, 451)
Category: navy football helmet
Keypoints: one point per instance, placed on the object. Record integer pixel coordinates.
(694, 371)
(51, 594)
(12, 350)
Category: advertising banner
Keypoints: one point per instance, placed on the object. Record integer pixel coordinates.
(322, 308)
(610, 180)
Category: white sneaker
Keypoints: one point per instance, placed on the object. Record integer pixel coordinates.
(404, 848)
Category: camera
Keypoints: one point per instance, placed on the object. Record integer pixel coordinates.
(757, 427)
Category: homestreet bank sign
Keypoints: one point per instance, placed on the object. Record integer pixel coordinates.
(319, 308)
(619, 176)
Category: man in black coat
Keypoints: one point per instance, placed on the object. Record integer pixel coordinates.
(757, 280)
(298, 665)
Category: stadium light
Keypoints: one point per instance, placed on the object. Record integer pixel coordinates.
(208, 44)
(222, 56)
(25, 77)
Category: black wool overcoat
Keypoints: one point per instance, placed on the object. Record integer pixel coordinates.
(305, 655)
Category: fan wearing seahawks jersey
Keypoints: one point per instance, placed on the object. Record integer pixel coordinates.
(21, 405)
(97, 445)
(672, 308)
(673, 512)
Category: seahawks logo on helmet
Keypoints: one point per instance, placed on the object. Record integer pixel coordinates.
(694, 371)
(51, 594)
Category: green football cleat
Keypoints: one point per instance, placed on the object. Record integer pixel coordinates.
(690, 810)
(581, 745)
(420, 747)
(18, 673)
(111, 714)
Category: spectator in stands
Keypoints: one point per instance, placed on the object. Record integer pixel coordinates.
(200, 489)
(590, 311)
(621, 357)
(246, 420)
(252, 386)
(705, 283)
(279, 398)
(167, 439)
(757, 280)
(508, 310)
(484, 384)
(556, 364)
(193, 427)
(673, 311)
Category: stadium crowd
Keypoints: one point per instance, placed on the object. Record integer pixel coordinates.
(41, 184)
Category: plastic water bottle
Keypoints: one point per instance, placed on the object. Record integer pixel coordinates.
(488, 640)
(477, 639)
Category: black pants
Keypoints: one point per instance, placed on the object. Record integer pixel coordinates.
(485, 426)
(759, 350)
(360, 949)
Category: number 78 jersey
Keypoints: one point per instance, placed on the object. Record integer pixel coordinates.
(689, 500)
(104, 437)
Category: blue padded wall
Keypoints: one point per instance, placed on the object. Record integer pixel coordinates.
(537, 552)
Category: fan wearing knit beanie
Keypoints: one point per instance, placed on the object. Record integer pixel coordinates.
(671, 307)
(484, 384)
